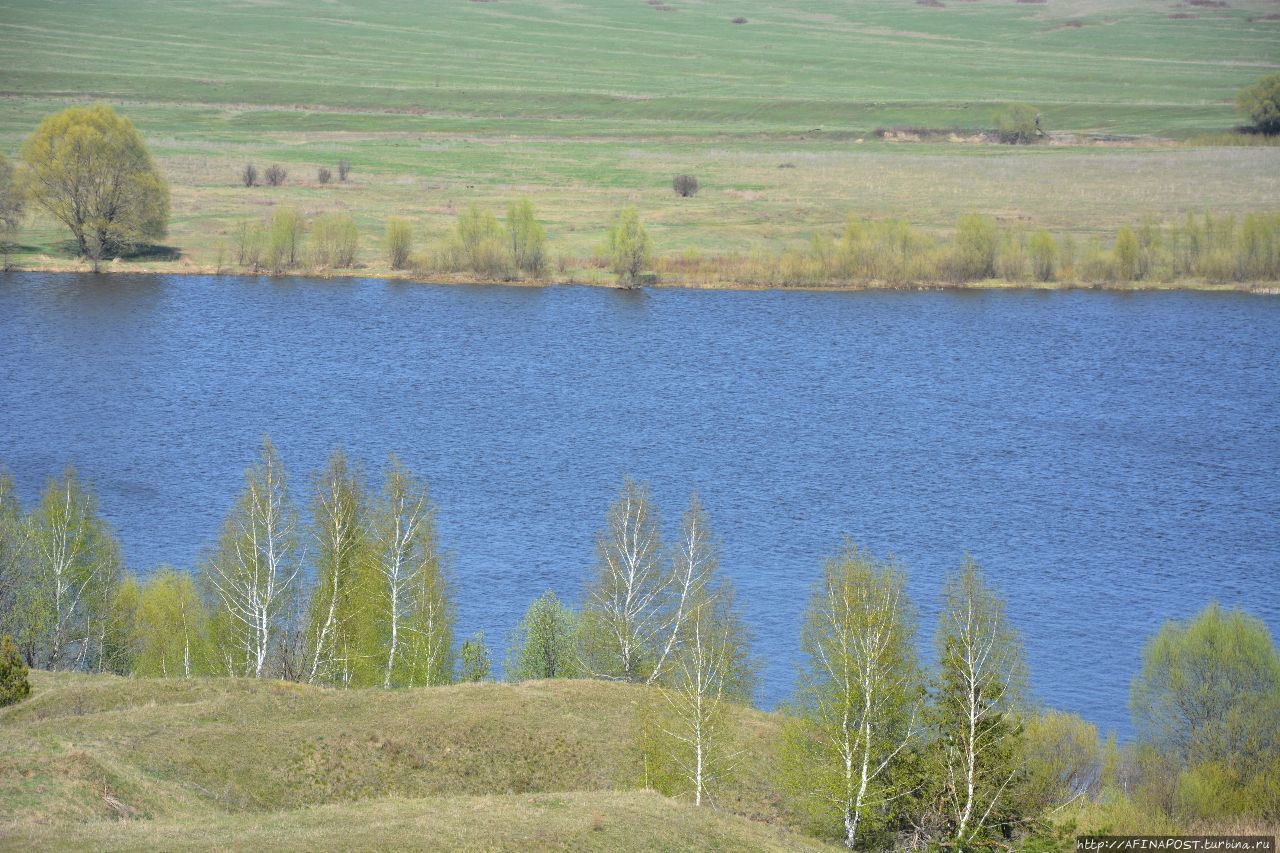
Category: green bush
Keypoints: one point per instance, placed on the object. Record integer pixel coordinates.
(334, 239)
(975, 247)
(628, 247)
(1044, 255)
(1261, 103)
(14, 686)
(399, 242)
(526, 238)
(1012, 263)
(1126, 254)
(1019, 124)
(284, 239)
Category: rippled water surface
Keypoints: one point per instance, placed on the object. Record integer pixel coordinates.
(1110, 459)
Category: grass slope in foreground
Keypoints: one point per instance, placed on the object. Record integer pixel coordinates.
(109, 763)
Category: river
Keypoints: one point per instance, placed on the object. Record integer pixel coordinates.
(1110, 459)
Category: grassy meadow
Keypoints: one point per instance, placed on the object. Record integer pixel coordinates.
(587, 107)
(101, 762)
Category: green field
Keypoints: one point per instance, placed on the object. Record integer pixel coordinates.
(587, 107)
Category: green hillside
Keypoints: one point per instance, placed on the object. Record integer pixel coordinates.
(111, 763)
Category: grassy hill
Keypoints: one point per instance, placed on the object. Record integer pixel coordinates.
(587, 107)
(112, 763)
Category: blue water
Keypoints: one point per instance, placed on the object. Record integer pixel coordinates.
(1110, 459)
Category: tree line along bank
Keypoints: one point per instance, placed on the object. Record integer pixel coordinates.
(88, 168)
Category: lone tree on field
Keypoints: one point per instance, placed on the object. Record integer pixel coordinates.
(1261, 103)
(14, 686)
(89, 169)
(250, 175)
(629, 248)
(344, 169)
(323, 175)
(1019, 124)
(685, 185)
(275, 175)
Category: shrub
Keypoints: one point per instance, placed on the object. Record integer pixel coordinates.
(628, 246)
(14, 686)
(399, 242)
(975, 247)
(685, 185)
(323, 175)
(1204, 706)
(249, 239)
(249, 177)
(1126, 254)
(1011, 261)
(275, 175)
(1043, 255)
(334, 238)
(525, 238)
(284, 239)
(1261, 104)
(344, 169)
(1019, 124)
(478, 244)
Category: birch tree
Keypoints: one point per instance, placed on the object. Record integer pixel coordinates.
(622, 609)
(981, 673)
(710, 671)
(253, 570)
(415, 613)
(693, 563)
(429, 628)
(859, 697)
(340, 530)
(74, 563)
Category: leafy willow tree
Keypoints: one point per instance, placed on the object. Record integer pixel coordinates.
(171, 633)
(976, 701)
(622, 618)
(859, 701)
(709, 671)
(544, 644)
(72, 570)
(526, 238)
(89, 168)
(1206, 701)
(628, 246)
(252, 571)
(339, 599)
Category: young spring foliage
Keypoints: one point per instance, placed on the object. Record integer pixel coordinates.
(89, 168)
(858, 708)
